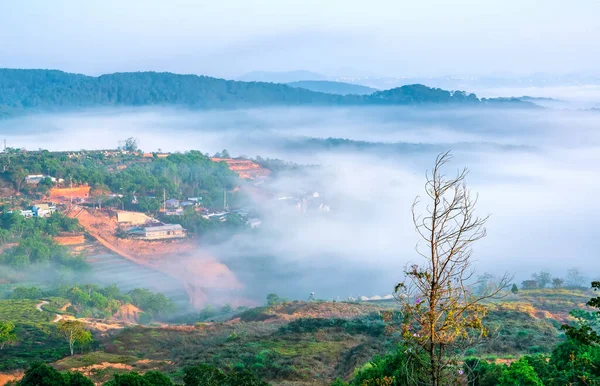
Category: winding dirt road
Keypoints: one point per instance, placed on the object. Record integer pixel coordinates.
(57, 317)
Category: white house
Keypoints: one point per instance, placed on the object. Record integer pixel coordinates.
(43, 210)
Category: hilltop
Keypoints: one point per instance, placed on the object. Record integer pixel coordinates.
(23, 91)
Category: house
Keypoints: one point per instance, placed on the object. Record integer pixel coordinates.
(43, 210)
(174, 212)
(132, 218)
(27, 213)
(189, 203)
(34, 179)
(172, 203)
(157, 231)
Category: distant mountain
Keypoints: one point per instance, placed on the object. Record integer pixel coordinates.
(330, 87)
(281, 77)
(23, 91)
(538, 99)
(475, 82)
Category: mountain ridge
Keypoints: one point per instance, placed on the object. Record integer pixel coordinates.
(23, 91)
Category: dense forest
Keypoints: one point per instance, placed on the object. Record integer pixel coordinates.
(182, 175)
(51, 90)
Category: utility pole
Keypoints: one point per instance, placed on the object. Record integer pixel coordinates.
(225, 199)
(165, 200)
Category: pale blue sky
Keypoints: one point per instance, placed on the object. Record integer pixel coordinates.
(230, 37)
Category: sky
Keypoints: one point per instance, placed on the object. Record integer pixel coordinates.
(229, 38)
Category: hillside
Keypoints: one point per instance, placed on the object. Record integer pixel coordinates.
(329, 87)
(23, 91)
(290, 343)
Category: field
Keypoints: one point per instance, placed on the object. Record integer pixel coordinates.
(295, 343)
(38, 338)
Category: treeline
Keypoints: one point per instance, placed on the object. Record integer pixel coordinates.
(34, 243)
(573, 279)
(189, 174)
(202, 375)
(50, 90)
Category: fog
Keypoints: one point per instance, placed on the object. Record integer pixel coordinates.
(535, 171)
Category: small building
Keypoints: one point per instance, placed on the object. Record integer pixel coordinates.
(34, 179)
(132, 218)
(43, 210)
(188, 203)
(27, 213)
(172, 203)
(174, 212)
(157, 231)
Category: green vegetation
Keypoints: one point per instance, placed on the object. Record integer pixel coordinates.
(50, 90)
(34, 241)
(7, 334)
(190, 174)
(23, 311)
(40, 374)
(75, 334)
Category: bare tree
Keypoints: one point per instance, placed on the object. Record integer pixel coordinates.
(576, 279)
(442, 312)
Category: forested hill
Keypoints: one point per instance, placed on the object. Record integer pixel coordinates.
(24, 91)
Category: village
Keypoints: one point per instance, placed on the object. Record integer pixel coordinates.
(148, 222)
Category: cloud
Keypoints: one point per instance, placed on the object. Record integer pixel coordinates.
(536, 173)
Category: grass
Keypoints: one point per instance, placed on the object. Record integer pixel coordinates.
(300, 342)
(23, 311)
(37, 338)
(36, 342)
(94, 358)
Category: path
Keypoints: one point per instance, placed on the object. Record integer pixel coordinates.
(56, 319)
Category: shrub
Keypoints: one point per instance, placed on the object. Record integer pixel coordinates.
(520, 373)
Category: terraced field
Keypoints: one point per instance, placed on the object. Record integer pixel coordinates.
(109, 268)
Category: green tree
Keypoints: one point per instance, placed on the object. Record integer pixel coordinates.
(441, 313)
(273, 299)
(128, 379)
(203, 375)
(77, 379)
(520, 373)
(40, 374)
(514, 289)
(75, 333)
(243, 378)
(156, 378)
(131, 144)
(587, 328)
(7, 334)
